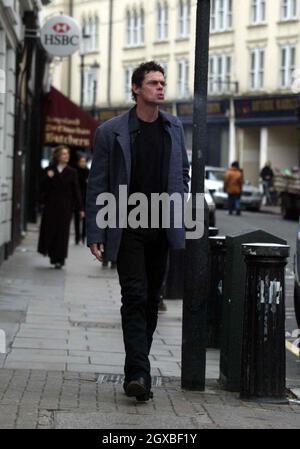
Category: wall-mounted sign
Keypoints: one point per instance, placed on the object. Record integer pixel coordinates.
(267, 106)
(60, 36)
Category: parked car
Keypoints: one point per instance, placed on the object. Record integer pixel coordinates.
(251, 196)
(210, 203)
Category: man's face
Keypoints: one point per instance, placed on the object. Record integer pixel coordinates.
(152, 89)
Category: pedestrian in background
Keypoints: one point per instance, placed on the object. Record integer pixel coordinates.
(144, 150)
(233, 183)
(59, 196)
(267, 177)
(83, 174)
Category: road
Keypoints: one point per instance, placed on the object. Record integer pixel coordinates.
(287, 230)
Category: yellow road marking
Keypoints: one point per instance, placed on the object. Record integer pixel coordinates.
(292, 348)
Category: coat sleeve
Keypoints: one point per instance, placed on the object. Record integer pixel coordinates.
(98, 182)
(185, 163)
(45, 186)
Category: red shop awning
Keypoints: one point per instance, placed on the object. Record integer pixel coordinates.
(66, 123)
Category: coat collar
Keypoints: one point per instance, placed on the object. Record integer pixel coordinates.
(129, 121)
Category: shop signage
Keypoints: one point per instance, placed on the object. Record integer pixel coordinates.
(266, 106)
(60, 36)
(66, 123)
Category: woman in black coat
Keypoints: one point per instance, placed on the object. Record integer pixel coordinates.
(60, 195)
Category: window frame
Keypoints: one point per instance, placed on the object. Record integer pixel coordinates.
(218, 13)
(162, 21)
(183, 68)
(88, 87)
(184, 19)
(128, 71)
(257, 73)
(258, 12)
(219, 78)
(286, 70)
(291, 10)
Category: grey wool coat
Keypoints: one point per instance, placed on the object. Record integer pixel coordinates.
(111, 167)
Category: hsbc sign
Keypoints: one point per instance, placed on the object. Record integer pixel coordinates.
(60, 36)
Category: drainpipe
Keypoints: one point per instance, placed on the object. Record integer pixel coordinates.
(110, 35)
(71, 11)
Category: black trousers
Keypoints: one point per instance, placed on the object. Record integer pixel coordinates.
(79, 225)
(141, 268)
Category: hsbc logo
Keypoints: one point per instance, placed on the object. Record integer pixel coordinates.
(60, 36)
(61, 27)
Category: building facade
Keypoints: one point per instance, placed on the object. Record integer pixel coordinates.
(17, 80)
(253, 63)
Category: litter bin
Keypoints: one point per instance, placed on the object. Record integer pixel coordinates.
(263, 346)
(233, 304)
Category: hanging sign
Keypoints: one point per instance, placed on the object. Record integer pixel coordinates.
(60, 36)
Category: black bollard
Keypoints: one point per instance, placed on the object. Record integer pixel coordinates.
(217, 251)
(212, 231)
(263, 346)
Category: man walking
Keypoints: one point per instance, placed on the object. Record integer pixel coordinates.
(233, 183)
(267, 176)
(143, 150)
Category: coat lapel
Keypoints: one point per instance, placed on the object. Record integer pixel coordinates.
(121, 130)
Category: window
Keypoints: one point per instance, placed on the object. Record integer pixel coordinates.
(90, 34)
(162, 21)
(219, 74)
(164, 65)
(95, 34)
(258, 11)
(221, 15)
(287, 67)
(135, 27)
(183, 79)
(128, 75)
(184, 18)
(257, 68)
(89, 86)
(288, 9)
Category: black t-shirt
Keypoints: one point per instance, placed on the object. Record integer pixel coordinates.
(147, 159)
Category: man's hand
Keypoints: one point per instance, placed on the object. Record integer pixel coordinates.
(97, 249)
(82, 214)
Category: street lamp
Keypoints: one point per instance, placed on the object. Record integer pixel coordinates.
(82, 54)
(94, 70)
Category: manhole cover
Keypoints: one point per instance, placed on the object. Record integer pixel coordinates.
(118, 379)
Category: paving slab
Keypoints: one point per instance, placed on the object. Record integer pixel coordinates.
(64, 366)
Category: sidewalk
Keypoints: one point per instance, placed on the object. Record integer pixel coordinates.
(64, 366)
(271, 210)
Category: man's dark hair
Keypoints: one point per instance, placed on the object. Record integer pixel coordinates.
(235, 164)
(139, 73)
